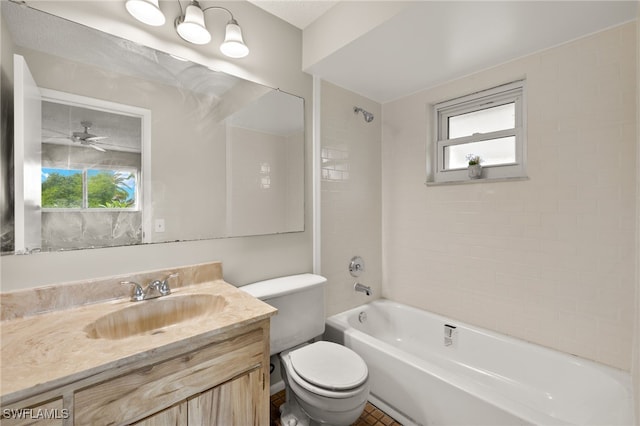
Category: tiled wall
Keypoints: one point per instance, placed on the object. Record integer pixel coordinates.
(550, 259)
(351, 196)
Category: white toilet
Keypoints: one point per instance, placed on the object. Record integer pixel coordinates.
(325, 383)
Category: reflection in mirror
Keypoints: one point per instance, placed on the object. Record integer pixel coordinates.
(91, 159)
(130, 145)
(264, 147)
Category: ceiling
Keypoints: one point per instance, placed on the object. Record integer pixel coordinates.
(431, 42)
(299, 13)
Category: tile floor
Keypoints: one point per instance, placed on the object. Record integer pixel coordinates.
(372, 415)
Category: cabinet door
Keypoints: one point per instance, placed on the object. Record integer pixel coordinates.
(172, 416)
(238, 402)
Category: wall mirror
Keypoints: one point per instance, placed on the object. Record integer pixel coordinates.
(118, 144)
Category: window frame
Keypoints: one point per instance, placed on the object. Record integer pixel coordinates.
(145, 170)
(85, 191)
(508, 93)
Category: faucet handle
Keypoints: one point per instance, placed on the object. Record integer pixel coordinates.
(164, 286)
(138, 293)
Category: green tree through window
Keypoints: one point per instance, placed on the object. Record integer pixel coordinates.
(62, 189)
(112, 189)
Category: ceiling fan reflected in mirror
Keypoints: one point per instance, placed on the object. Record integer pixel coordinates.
(86, 138)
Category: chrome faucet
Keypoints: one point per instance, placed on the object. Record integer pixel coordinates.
(363, 288)
(154, 289)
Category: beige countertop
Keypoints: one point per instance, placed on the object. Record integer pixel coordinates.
(49, 350)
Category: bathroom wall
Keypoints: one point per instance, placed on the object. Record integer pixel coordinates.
(350, 196)
(550, 259)
(274, 60)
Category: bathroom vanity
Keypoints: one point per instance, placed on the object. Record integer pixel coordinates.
(89, 365)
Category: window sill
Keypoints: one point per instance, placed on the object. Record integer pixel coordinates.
(481, 180)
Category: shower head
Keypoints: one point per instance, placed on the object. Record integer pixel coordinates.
(368, 117)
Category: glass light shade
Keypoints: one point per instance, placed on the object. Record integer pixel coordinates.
(146, 11)
(191, 26)
(233, 45)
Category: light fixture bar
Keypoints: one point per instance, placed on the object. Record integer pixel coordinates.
(190, 25)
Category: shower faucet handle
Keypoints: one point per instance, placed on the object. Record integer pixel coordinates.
(356, 266)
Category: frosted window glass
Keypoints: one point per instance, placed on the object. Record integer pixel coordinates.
(492, 152)
(484, 121)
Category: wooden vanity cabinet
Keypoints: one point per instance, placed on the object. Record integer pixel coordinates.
(225, 382)
(237, 402)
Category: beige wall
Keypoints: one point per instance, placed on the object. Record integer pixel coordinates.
(274, 60)
(351, 201)
(550, 259)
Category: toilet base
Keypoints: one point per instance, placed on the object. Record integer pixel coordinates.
(292, 415)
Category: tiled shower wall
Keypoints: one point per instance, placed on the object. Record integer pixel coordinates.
(550, 259)
(351, 196)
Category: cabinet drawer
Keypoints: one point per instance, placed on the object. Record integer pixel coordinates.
(151, 389)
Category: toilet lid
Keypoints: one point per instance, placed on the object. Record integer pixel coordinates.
(329, 365)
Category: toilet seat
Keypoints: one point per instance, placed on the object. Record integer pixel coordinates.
(329, 366)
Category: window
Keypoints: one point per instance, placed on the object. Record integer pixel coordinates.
(89, 189)
(488, 124)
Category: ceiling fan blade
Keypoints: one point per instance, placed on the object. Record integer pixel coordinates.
(96, 138)
(51, 132)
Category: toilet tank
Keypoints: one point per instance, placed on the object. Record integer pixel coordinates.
(300, 303)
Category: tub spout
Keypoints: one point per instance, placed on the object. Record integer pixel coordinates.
(363, 288)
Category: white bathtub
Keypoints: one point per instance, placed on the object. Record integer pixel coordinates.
(483, 378)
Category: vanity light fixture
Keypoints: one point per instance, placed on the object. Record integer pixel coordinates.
(190, 24)
(233, 45)
(146, 11)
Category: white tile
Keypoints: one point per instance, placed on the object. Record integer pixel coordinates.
(551, 249)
